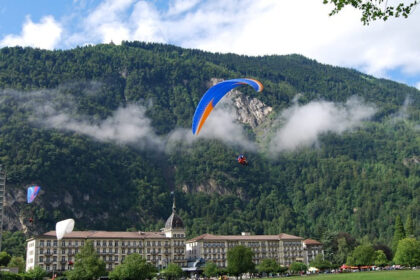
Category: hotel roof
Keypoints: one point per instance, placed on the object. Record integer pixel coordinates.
(106, 234)
(211, 237)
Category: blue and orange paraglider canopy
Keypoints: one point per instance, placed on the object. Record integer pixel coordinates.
(213, 96)
(32, 193)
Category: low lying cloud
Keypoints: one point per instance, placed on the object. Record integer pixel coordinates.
(299, 125)
(222, 124)
(128, 125)
(302, 125)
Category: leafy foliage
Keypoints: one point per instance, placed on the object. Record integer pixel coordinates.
(18, 262)
(4, 258)
(239, 259)
(37, 273)
(172, 272)
(362, 255)
(297, 267)
(210, 269)
(408, 252)
(87, 265)
(399, 233)
(14, 243)
(374, 9)
(134, 267)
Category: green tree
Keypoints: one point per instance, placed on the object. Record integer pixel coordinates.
(17, 262)
(408, 252)
(297, 267)
(380, 258)
(374, 9)
(210, 269)
(134, 267)
(268, 266)
(4, 258)
(88, 265)
(399, 233)
(37, 273)
(409, 227)
(239, 260)
(14, 243)
(172, 272)
(320, 263)
(363, 255)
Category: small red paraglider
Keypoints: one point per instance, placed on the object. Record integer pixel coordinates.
(242, 160)
(31, 220)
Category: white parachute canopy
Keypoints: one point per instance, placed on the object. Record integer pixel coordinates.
(63, 227)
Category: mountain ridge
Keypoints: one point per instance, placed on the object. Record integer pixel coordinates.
(306, 191)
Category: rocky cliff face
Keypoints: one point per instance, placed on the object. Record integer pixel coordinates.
(249, 110)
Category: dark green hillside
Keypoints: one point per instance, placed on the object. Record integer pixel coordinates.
(356, 182)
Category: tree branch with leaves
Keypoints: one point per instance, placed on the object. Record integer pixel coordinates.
(374, 9)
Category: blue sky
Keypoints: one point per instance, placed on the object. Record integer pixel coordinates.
(384, 49)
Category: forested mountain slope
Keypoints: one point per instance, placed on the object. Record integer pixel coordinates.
(105, 130)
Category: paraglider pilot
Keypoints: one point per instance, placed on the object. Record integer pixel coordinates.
(242, 160)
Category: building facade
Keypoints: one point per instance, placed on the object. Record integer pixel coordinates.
(284, 248)
(158, 248)
(312, 249)
(164, 247)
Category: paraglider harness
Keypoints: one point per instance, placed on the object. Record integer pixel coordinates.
(242, 160)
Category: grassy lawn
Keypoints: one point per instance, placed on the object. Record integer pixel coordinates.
(370, 275)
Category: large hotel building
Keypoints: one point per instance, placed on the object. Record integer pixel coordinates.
(164, 247)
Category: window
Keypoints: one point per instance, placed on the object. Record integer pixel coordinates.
(54, 258)
(63, 258)
(83, 243)
(104, 243)
(41, 243)
(48, 243)
(55, 243)
(116, 243)
(63, 243)
(41, 259)
(55, 250)
(116, 258)
(98, 243)
(47, 268)
(76, 243)
(110, 243)
(63, 251)
(41, 250)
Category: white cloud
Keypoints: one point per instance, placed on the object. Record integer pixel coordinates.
(222, 125)
(302, 125)
(44, 35)
(244, 27)
(177, 7)
(127, 125)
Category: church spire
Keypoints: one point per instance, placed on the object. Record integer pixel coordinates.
(173, 205)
